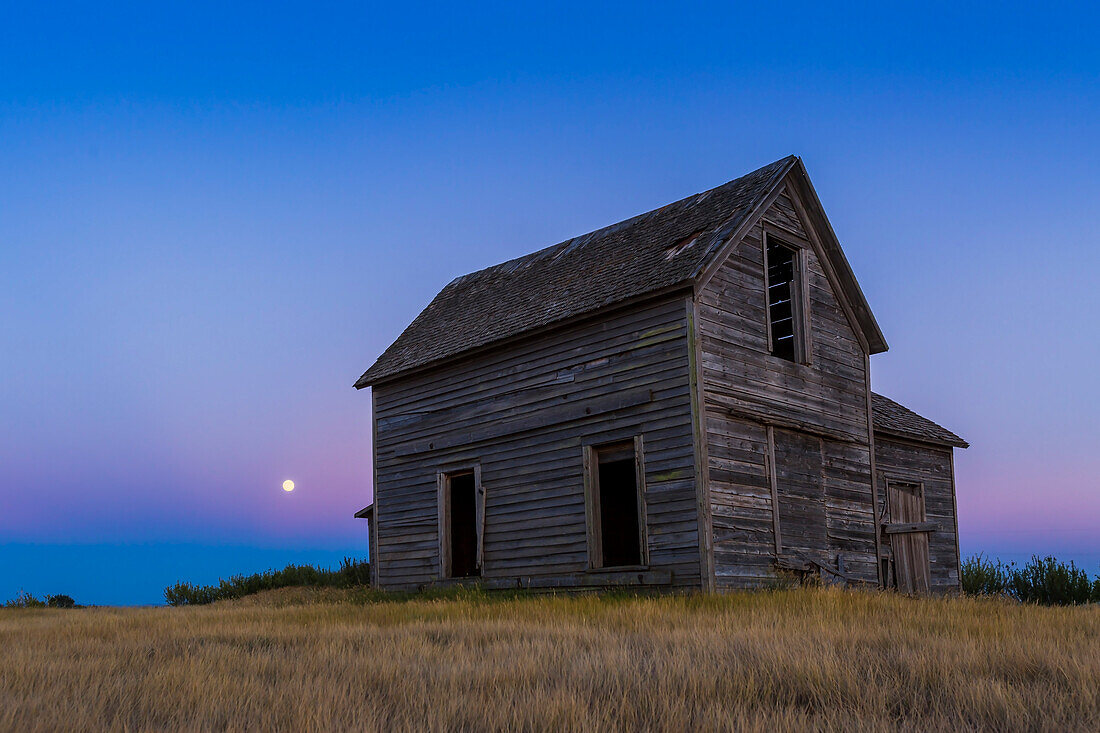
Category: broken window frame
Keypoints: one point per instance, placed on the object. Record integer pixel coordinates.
(444, 478)
(800, 316)
(593, 515)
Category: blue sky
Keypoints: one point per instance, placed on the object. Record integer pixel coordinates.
(213, 219)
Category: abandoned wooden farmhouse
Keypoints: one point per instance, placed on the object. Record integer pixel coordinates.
(681, 400)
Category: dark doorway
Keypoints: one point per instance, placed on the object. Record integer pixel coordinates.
(619, 525)
(463, 525)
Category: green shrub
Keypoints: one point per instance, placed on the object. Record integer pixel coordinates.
(1051, 583)
(1046, 581)
(24, 600)
(981, 576)
(351, 573)
(61, 601)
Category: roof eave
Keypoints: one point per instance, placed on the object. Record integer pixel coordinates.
(914, 438)
(370, 380)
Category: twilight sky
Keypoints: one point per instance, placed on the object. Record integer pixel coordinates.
(212, 220)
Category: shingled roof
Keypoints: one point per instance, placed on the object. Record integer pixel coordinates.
(891, 418)
(652, 252)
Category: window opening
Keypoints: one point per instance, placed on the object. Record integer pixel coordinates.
(783, 301)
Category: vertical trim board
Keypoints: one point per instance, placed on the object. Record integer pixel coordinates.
(640, 488)
(704, 510)
(874, 474)
(773, 480)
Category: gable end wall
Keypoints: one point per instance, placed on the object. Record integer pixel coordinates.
(818, 436)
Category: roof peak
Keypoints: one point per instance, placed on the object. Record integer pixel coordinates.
(564, 245)
(652, 252)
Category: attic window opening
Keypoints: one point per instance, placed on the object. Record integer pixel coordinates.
(784, 288)
(681, 245)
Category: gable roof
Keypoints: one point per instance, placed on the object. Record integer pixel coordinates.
(891, 418)
(650, 253)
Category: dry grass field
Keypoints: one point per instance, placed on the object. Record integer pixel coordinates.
(317, 660)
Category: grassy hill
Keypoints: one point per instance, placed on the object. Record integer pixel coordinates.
(299, 659)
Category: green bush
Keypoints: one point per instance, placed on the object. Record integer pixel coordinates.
(1046, 581)
(981, 576)
(61, 601)
(24, 600)
(1052, 583)
(350, 574)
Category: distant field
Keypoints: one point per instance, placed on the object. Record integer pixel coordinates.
(307, 660)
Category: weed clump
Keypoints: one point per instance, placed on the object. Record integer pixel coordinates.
(26, 600)
(1042, 580)
(350, 574)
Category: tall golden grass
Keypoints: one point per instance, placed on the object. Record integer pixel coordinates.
(808, 658)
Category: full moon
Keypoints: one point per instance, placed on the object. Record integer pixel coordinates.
(288, 485)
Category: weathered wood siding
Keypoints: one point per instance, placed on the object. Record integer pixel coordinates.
(818, 413)
(522, 412)
(932, 467)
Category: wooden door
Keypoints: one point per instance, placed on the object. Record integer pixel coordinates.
(911, 562)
